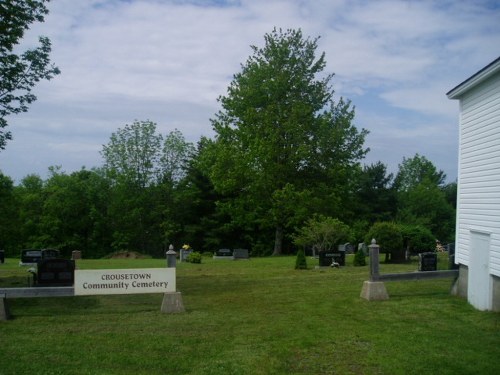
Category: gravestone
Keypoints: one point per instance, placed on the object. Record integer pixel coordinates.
(33, 256)
(327, 258)
(50, 254)
(240, 254)
(223, 254)
(183, 254)
(362, 247)
(55, 272)
(76, 254)
(347, 248)
(427, 262)
(30, 256)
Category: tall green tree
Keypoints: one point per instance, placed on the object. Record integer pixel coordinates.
(376, 199)
(31, 197)
(426, 205)
(194, 213)
(19, 73)
(132, 154)
(145, 169)
(175, 157)
(423, 199)
(131, 160)
(75, 212)
(450, 191)
(9, 219)
(280, 133)
(413, 171)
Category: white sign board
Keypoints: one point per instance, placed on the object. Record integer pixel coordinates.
(128, 281)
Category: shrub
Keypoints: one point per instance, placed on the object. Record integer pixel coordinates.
(322, 233)
(194, 257)
(359, 258)
(301, 262)
(389, 238)
(418, 239)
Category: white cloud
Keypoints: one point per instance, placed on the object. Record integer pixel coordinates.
(168, 61)
(429, 100)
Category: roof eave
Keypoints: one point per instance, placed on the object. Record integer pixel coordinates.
(474, 80)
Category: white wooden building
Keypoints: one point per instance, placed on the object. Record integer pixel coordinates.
(477, 249)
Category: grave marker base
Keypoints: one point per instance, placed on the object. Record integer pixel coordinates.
(374, 291)
(172, 303)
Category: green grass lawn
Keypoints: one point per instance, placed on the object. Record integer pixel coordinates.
(251, 317)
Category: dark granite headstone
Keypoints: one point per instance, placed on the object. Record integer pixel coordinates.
(55, 272)
(327, 258)
(29, 256)
(427, 262)
(50, 254)
(32, 256)
(224, 253)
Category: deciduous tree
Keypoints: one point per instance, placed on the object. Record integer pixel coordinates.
(413, 171)
(9, 219)
(280, 132)
(145, 169)
(30, 197)
(175, 157)
(132, 154)
(19, 73)
(422, 197)
(322, 233)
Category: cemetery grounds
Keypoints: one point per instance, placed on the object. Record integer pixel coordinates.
(259, 316)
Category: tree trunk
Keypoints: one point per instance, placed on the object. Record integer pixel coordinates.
(278, 240)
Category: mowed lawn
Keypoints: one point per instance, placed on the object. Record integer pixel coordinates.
(251, 317)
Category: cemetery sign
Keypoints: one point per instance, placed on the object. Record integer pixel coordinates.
(124, 281)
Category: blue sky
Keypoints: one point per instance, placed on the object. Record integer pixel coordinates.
(168, 61)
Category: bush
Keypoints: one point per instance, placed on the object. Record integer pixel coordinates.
(418, 239)
(322, 233)
(389, 238)
(359, 258)
(194, 257)
(301, 262)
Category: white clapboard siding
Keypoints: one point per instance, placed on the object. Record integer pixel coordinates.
(478, 206)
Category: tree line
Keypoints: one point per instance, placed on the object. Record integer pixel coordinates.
(284, 151)
(146, 208)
